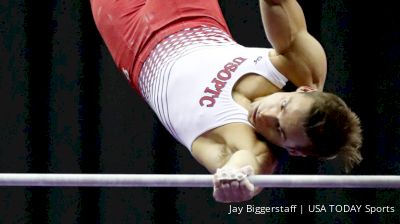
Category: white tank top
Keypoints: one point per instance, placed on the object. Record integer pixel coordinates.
(188, 80)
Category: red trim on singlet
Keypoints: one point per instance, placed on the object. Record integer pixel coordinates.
(162, 35)
(132, 28)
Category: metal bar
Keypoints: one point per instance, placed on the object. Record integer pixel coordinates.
(195, 180)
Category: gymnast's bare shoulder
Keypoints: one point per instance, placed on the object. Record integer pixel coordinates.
(233, 145)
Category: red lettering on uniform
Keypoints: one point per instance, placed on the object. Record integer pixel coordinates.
(203, 101)
(224, 75)
(231, 67)
(212, 92)
(219, 85)
(239, 60)
(209, 99)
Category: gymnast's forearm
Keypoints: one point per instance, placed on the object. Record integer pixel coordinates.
(242, 158)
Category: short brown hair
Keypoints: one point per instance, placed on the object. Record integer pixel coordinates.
(334, 130)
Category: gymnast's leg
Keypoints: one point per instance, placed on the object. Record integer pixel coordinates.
(132, 28)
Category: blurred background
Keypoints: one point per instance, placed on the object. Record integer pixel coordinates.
(66, 109)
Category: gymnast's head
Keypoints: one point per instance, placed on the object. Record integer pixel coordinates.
(309, 123)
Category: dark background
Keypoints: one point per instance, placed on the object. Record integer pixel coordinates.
(66, 109)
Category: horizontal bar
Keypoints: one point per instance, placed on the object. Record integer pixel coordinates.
(195, 180)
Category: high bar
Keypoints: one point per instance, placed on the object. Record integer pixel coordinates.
(195, 180)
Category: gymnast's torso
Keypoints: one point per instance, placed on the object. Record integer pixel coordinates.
(190, 80)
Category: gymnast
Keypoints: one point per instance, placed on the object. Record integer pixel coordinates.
(222, 100)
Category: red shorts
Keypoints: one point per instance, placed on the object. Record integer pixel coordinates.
(132, 28)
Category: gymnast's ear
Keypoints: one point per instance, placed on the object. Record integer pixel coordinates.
(306, 89)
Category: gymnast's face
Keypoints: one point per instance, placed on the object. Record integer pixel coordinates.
(279, 118)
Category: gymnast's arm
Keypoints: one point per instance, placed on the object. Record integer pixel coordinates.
(248, 157)
(213, 157)
(298, 55)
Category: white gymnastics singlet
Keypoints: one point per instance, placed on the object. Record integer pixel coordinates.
(188, 80)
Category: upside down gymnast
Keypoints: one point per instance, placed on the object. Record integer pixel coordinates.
(222, 100)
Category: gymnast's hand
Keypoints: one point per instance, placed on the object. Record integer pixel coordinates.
(232, 185)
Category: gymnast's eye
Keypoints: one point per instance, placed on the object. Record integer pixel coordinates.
(280, 131)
